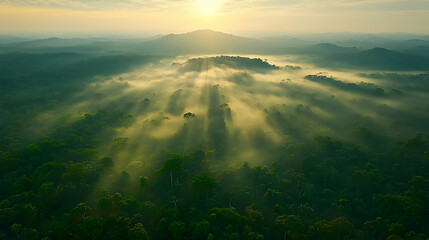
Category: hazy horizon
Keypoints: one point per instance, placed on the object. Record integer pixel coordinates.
(256, 35)
(214, 119)
(248, 18)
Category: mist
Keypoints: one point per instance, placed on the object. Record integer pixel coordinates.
(176, 137)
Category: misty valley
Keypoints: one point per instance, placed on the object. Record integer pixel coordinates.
(207, 135)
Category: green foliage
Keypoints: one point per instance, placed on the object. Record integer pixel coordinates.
(189, 115)
(75, 182)
(204, 183)
(321, 198)
(173, 164)
(143, 181)
(203, 64)
(177, 230)
(201, 230)
(138, 232)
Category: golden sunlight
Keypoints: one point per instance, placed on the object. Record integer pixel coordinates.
(208, 6)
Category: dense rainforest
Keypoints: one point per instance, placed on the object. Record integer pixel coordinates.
(324, 189)
(74, 165)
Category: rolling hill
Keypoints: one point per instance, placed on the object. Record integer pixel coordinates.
(331, 55)
(381, 58)
(201, 42)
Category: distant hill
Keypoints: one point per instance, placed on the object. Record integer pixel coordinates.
(381, 58)
(411, 46)
(420, 50)
(416, 42)
(328, 49)
(197, 42)
(54, 41)
(201, 42)
(51, 45)
(395, 54)
(5, 39)
(330, 55)
(77, 45)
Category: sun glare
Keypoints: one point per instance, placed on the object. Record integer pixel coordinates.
(208, 6)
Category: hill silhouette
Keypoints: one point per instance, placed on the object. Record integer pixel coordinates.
(201, 42)
(401, 55)
(381, 58)
(328, 49)
(331, 55)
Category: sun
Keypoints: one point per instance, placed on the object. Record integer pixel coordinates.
(208, 6)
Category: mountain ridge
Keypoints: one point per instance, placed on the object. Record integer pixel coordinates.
(202, 42)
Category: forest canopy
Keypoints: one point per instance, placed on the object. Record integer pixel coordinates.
(128, 144)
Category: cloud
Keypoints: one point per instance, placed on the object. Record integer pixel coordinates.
(247, 16)
(99, 4)
(330, 5)
(228, 4)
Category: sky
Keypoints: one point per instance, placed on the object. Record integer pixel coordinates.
(246, 17)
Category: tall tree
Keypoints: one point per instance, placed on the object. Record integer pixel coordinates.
(174, 164)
